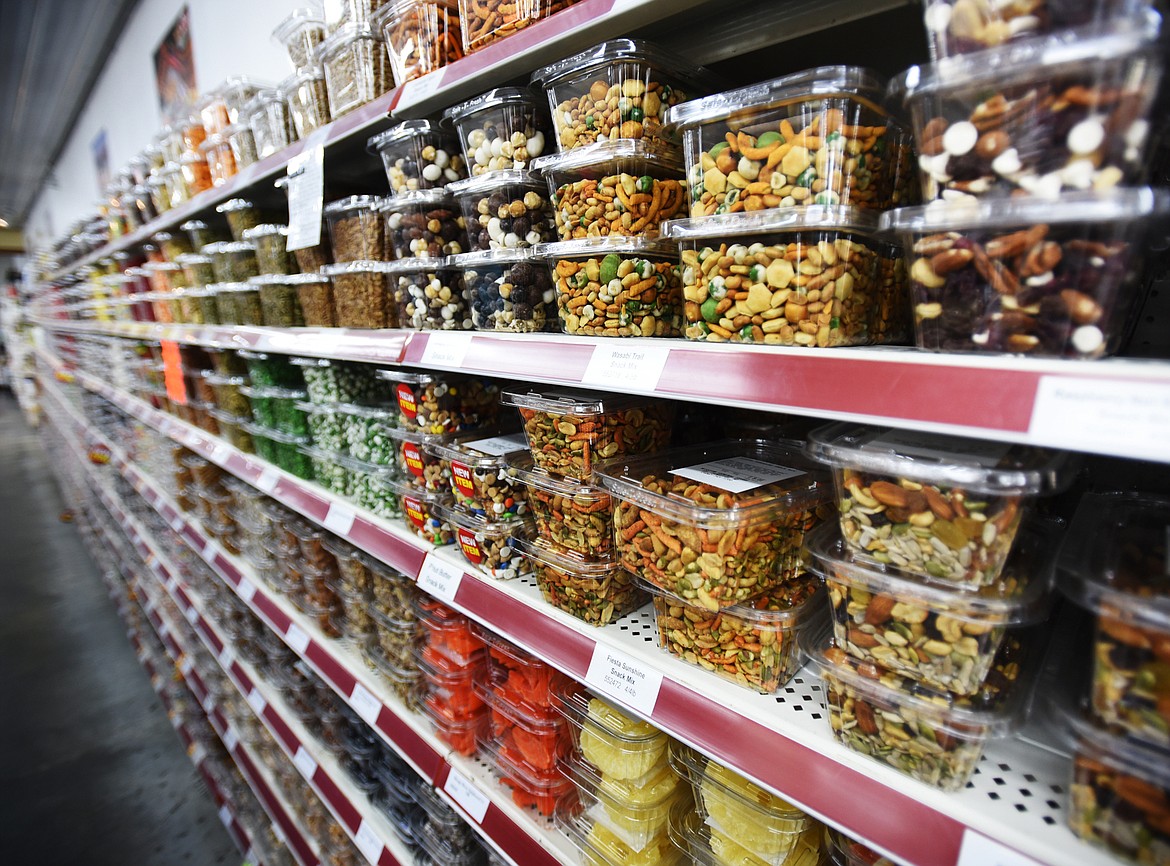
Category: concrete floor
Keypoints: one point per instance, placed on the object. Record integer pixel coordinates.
(91, 771)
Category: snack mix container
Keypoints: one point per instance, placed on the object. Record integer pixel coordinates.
(481, 479)
(362, 295)
(674, 511)
(443, 402)
(308, 100)
(300, 34)
(424, 224)
(356, 67)
(812, 277)
(417, 154)
(501, 130)
(271, 245)
(1051, 278)
(489, 547)
(571, 515)
(941, 507)
(706, 843)
(430, 294)
(1114, 563)
(356, 228)
(595, 592)
(509, 290)
(1041, 116)
(505, 210)
(421, 36)
(413, 456)
(568, 431)
(486, 22)
(817, 137)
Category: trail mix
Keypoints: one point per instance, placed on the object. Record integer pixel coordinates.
(570, 445)
(619, 295)
(617, 204)
(1119, 810)
(580, 520)
(510, 295)
(631, 108)
(596, 598)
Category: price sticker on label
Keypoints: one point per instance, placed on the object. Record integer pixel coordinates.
(220, 453)
(439, 577)
(618, 675)
(621, 366)
(296, 638)
(268, 479)
(367, 842)
(339, 518)
(256, 701)
(445, 349)
(365, 704)
(246, 589)
(304, 762)
(211, 550)
(737, 474)
(978, 850)
(192, 615)
(231, 739)
(227, 657)
(467, 794)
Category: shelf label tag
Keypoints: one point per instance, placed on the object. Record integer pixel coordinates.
(192, 615)
(623, 677)
(626, 367)
(231, 739)
(279, 834)
(439, 577)
(256, 701)
(339, 518)
(445, 349)
(978, 850)
(367, 842)
(420, 88)
(220, 453)
(1091, 414)
(467, 794)
(268, 479)
(198, 753)
(296, 638)
(177, 523)
(306, 192)
(225, 815)
(304, 762)
(185, 667)
(246, 589)
(211, 550)
(365, 704)
(227, 657)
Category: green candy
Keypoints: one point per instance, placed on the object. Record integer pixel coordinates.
(609, 268)
(708, 310)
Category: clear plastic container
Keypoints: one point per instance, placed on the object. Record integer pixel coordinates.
(569, 431)
(300, 34)
(812, 277)
(505, 210)
(716, 525)
(1032, 276)
(362, 432)
(620, 747)
(595, 592)
(197, 268)
(356, 229)
(232, 262)
(240, 214)
(217, 153)
(228, 397)
(599, 845)
(308, 100)
(277, 409)
(501, 130)
(443, 402)
(424, 224)
(356, 67)
(339, 381)
(421, 36)
(570, 515)
(315, 295)
(539, 744)
(452, 680)
(271, 370)
(519, 678)
(844, 850)
(617, 286)
(544, 790)
(418, 154)
(245, 302)
(271, 243)
(1038, 117)
(421, 516)
(619, 89)
(172, 245)
(242, 143)
(193, 177)
(615, 188)
(362, 294)
(706, 843)
(268, 116)
(278, 300)
(416, 463)
(462, 735)
(817, 137)
(201, 234)
(940, 507)
(1114, 562)
(485, 23)
(477, 471)
(430, 295)
(942, 637)
(488, 547)
(510, 290)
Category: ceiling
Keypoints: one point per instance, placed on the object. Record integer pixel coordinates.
(51, 52)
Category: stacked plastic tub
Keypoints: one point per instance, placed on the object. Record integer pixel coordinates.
(451, 657)
(353, 55)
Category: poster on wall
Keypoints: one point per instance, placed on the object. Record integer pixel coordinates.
(174, 68)
(100, 148)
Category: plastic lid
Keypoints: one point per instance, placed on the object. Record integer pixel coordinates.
(865, 85)
(477, 450)
(193, 259)
(162, 266)
(493, 180)
(302, 279)
(478, 524)
(214, 378)
(1124, 754)
(343, 38)
(703, 770)
(414, 198)
(263, 231)
(993, 468)
(616, 50)
(405, 129)
(491, 99)
(209, 144)
(411, 377)
(782, 607)
(353, 202)
(537, 782)
(234, 204)
(773, 220)
(305, 75)
(360, 266)
(570, 562)
(420, 264)
(272, 393)
(602, 246)
(297, 20)
(583, 707)
(274, 435)
(600, 846)
(632, 156)
(1116, 557)
(567, 401)
(1102, 206)
(272, 279)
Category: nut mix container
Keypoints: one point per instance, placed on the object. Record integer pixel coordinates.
(315, 298)
(421, 36)
(488, 547)
(1040, 116)
(754, 644)
(362, 294)
(597, 592)
(501, 130)
(278, 300)
(570, 515)
(616, 286)
(197, 268)
(417, 154)
(242, 143)
(443, 402)
(505, 210)
(201, 234)
(424, 224)
(944, 638)
(356, 228)
(1114, 562)
(510, 290)
(308, 100)
(271, 243)
(619, 89)
(232, 261)
(716, 525)
(706, 843)
(271, 124)
(420, 513)
(430, 295)
(356, 68)
(806, 276)
(488, 20)
(616, 188)
(815, 137)
(1028, 275)
(240, 214)
(300, 34)
(940, 507)
(416, 464)
(477, 470)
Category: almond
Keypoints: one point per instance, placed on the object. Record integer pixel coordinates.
(951, 260)
(866, 720)
(879, 608)
(889, 494)
(938, 504)
(862, 639)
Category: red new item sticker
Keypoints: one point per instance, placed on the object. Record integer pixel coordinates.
(461, 475)
(470, 546)
(406, 402)
(414, 510)
(413, 458)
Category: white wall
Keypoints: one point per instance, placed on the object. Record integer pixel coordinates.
(229, 37)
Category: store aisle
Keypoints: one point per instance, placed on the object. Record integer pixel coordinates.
(91, 771)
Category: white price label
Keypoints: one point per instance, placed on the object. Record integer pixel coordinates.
(225, 815)
(497, 446)
(268, 479)
(339, 518)
(231, 739)
(365, 704)
(192, 615)
(296, 638)
(620, 366)
(978, 850)
(198, 753)
(439, 577)
(737, 474)
(1091, 414)
(256, 701)
(445, 349)
(618, 675)
(185, 667)
(220, 453)
(304, 762)
(306, 192)
(227, 657)
(246, 589)
(467, 794)
(421, 88)
(367, 842)
(211, 549)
